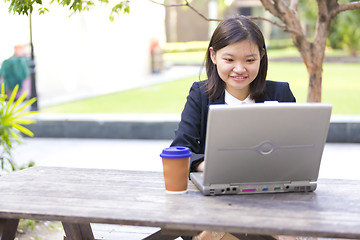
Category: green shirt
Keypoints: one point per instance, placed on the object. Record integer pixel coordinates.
(14, 71)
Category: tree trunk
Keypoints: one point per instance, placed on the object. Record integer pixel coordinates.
(314, 88)
(316, 52)
(313, 55)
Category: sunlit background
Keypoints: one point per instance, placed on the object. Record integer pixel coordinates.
(87, 55)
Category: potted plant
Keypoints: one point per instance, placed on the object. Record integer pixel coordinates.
(12, 113)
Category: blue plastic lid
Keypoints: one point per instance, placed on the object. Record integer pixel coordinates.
(176, 152)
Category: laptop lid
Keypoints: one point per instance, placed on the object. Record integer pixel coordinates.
(264, 143)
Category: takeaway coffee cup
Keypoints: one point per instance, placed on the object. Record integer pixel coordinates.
(176, 163)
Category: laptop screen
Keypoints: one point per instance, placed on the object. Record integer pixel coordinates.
(265, 142)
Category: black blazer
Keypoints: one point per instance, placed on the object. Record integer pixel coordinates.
(191, 131)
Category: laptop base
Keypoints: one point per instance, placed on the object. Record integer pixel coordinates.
(250, 188)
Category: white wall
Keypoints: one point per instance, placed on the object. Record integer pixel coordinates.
(86, 53)
(14, 30)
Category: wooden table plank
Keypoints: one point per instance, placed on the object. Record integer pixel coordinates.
(139, 198)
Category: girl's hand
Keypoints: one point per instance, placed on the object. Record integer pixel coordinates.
(200, 167)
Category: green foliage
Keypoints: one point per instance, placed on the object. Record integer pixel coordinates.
(344, 31)
(308, 11)
(30, 224)
(11, 121)
(348, 35)
(27, 223)
(43, 10)
(118, 8)
(24, 7)
(77, 5)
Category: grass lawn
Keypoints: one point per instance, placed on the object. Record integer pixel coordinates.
(341, 87)
(168, 97)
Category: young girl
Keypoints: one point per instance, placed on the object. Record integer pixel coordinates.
(236, 67)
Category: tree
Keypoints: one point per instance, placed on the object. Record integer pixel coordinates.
(312, 52)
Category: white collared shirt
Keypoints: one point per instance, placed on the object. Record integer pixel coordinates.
(231, 100)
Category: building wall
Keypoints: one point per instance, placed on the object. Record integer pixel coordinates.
(86, 53)
(183, 24)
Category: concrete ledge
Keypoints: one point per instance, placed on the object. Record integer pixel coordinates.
(116, 126)
(344, 129)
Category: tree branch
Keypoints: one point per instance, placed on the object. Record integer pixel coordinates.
(269, 5)
(284, 13)
(286, 29)
(187, 4)
(348, 6)
(170, 5)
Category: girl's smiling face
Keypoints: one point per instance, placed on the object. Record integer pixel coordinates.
(237, 65)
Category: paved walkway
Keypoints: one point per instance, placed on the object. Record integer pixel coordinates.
(340, 160)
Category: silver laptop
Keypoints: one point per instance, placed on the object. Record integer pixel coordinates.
(263, 148)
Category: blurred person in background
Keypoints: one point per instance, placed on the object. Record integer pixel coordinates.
(15, 71)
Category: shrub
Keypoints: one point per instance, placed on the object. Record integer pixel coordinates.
(12, 113)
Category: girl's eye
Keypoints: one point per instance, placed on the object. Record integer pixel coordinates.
(250, 60)
(228, 59)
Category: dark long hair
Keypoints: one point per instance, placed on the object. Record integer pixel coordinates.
(229, 31)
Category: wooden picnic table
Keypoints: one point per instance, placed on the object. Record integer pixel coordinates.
(78, 197)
